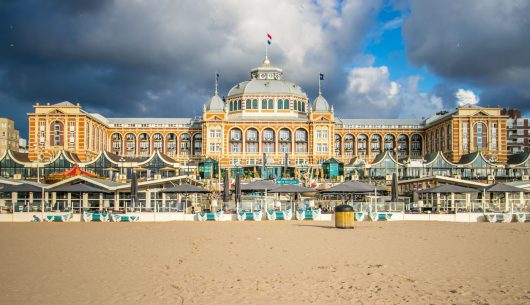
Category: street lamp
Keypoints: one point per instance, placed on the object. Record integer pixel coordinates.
(122, 165)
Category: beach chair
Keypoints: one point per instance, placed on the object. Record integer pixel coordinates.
(271, 215)
(380, 216)
(520, 217)
(490, 217)
(300, 215)
(58, 218)
(202, 216)
(218, 215)
(359, 216)
(287, 214)
(87, 216)
(257, 215)
(124, 218)
(505, 217)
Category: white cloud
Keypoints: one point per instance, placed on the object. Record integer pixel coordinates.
(371, 93)
(466, 97)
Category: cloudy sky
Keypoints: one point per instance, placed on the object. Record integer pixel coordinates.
(391, 59)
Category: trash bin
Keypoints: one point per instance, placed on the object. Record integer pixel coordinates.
(344, 217)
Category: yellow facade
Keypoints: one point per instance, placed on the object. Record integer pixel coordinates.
(266, 117)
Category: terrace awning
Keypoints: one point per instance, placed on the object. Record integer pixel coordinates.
(185, 189)
(21, 188)
(504, 188)
(259, 186)
(350, 187)
(291, 189)
(79, 188)
(447, 189)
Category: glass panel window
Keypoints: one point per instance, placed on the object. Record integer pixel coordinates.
(465, 136)
(248, 104)
(280, 104)
(493, 136)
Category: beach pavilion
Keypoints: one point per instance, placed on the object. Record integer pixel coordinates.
(292, 190)
(25, 196)
(83, 191)
(186, 189)
(512, 197)
(451, 201)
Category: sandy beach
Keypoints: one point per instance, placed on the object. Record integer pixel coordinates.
(264, 263)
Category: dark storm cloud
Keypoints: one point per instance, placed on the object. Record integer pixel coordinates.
(485, 44)
(159, 58)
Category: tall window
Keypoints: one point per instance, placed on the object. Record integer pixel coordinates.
(235, 140)
(252, 141)
(248, 104)
(286, 104)
(280, 104)
(268, 140)
(493, 136)
(300, 137)
(185, 144)
(264, 104)
(71, 138)
(232, 105)
(285, 140)
(42, 132)
(465, 139)
(254, 104)
(480, 136)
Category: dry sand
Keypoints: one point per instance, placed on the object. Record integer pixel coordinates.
(264, 263)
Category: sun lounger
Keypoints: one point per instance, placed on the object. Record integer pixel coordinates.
(211, 216)
(58, 218)
(308, 214)
(498, 217)
(95, 216)
(359, 216)
(279, 215)
(520, 217)
(124, 218)
(380, 216)
(256, 216)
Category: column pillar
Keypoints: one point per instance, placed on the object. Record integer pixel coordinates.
(54, 198)
(100, 201)
(116, 201)
(69, 201)
(85, 200)
(147, 199)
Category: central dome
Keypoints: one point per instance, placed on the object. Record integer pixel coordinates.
(266, 80)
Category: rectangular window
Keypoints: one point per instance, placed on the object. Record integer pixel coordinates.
(301, 147)
(72, 134)
(479, 135)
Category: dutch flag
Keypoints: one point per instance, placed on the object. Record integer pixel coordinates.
(269, 38)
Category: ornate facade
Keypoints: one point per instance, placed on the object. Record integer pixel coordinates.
(266, 119)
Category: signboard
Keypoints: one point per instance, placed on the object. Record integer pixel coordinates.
(287, 181)
(333, 170)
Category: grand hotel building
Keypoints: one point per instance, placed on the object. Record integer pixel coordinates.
(264, 118)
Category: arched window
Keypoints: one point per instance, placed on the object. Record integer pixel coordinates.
(171, 147)
(284, 139)
(271, 104)
(362, 141)
(300, 138)
(280, 104)
(144, 144)
(389, 142)
(375, 145)
(158, 141)
(416, 144)
(185, 145)
(117, 143)
(264, 104)
(239, 105)
(286, 104)
(57, 133)
(231, 106)
(252, 140)
(130, 140)
(349, 144)
(236, 140)
(197, 144)
(268, 140)
(295, 105)
(403, 146)
(248, 104)
(254, 104)
(303, 106)
(337, 145)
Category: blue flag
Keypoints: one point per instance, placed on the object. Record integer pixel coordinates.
(321, 76)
